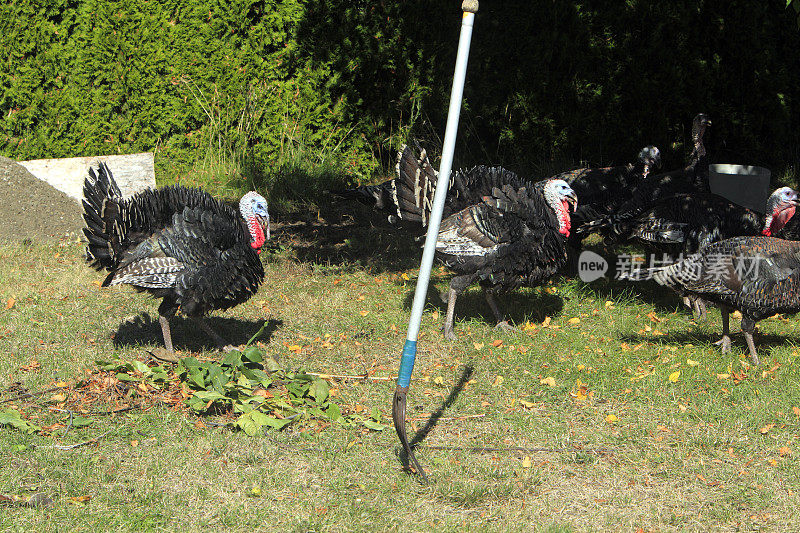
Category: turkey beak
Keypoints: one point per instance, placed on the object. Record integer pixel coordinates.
(264, 221)
(572, 198)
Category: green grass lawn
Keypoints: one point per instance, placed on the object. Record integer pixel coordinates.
(630, 416)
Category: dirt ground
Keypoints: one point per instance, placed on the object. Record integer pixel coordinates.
(32, 209)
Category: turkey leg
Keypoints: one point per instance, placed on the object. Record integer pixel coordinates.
(725, 341)
(165, 332)
(748, 328)
(502, 323)
(451, 311)
(221, 343)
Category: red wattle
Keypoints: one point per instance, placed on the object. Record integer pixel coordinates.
(566, 223)
(779, 220)
(256, 233)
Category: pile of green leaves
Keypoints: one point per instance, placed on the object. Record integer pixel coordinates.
(251, 385)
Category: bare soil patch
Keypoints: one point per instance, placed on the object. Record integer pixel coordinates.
(32, 209)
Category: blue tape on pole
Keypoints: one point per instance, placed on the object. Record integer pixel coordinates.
(407, 363)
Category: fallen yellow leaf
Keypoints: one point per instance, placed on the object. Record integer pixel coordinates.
(675, 376)
(550, 381)
(611, 419)
(580, 367)
(10, 302)
(796, 410)
(766, 429)
(363, 312)
(784, 451)
(574, 320)
(439, 380)
(609, 304)
(497, 381)
(477, 345)
(526, 462)
(404, 277)
(497, 343)
(435, 314)
(546, 322)
(527, 404)
(58, 397)
(294, 348)
(723, 376)
(691, 362)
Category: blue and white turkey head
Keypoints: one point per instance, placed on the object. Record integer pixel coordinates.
(253, 208)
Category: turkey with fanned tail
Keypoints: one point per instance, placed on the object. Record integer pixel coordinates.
(514, 237)
(408, 197)
(179, 244)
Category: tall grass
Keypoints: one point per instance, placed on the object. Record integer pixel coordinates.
(225, 156)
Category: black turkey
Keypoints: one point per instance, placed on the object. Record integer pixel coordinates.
(759, 276)
(692, 179)
(512, 238)
(685, 223)
(603, 190)
(408, 197)
(178, 244)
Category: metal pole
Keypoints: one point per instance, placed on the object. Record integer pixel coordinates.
(469, 7)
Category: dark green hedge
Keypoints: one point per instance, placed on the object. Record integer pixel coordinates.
(549, 83)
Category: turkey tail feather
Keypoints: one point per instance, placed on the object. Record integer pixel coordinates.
(101, 211)
(414, 185)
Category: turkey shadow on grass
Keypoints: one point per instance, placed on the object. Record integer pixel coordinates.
(344, 234)
(518, 306)
(144, 330)
(764, 341)
(663, 299)
(425, 429)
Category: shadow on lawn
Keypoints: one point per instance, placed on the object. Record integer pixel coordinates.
(763, 342)
(423, 432)
(145, 330)
(518, 306)
(344, 233)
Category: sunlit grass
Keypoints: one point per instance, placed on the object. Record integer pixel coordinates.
(714, 449)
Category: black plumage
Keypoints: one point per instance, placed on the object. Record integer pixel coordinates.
(603, 190)
(692, 179)
(759, 276)
(684, 223)
(512, 238)
(179, 244)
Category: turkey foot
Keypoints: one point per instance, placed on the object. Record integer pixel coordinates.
(506, 327)
(221, 343)
(162, 354)
(748, 328)
(724, 343)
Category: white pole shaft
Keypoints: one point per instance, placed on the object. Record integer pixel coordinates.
(442, 183)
